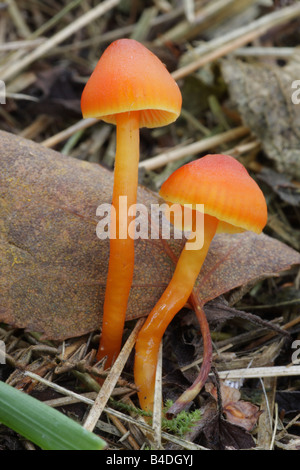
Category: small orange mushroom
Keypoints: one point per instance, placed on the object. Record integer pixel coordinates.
(130, 87)
(232, 203)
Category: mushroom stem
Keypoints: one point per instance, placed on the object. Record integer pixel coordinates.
(121, 259)
(188, 395)
(173, 299)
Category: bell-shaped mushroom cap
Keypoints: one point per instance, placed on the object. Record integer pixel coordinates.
(224, 187)
(129, 77)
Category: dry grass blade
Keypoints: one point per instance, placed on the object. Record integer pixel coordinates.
(16, 45)
(194, 148)
(265, 427)
(111, 380)
(58, 388)
(59, 37)
(240, 37)
(66, 133)
(260, 372)
(125, 433)
(157, 408)
(17, 18)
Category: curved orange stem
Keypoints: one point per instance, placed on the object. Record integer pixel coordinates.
(172, 300)
(121, 259)
(188, 395)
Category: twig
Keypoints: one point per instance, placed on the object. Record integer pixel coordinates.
(240, 149)
(66, 133)
(59, 37)
(36, 127)
(125, 433)
(258, 372)
(196, 21)
(212, 8)
(143, 25)
(17, 45)
(285, 429)
(265, 429)
(111, 379)
(17, 18)
(267, 402)
(227, 43)
(55, 19)
(275, 426)
(194, 148)
(189, 10)
(157, 408)
(58, 388)
(266, 51)
(22, 96)
(124, 31)
(269, 336)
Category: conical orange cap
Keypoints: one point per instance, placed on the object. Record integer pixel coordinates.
(128, 77)
(225, 188)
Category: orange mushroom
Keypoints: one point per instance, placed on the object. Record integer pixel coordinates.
(232, 203)
(130, 87)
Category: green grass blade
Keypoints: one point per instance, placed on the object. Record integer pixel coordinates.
(46, 427)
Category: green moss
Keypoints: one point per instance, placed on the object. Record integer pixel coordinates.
(182, 423)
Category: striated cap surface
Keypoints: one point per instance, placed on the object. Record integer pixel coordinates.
(225, 188)
(129, 77)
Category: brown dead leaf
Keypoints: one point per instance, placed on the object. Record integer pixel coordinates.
(239, 412)
(53, 267)
(237, 260)
(263, 95)
(217, 433)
